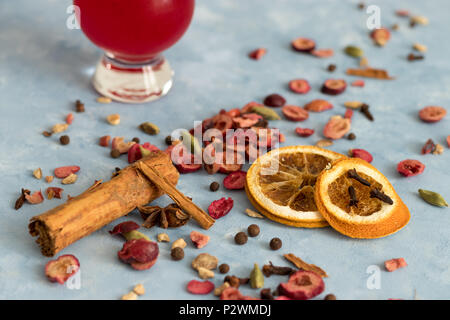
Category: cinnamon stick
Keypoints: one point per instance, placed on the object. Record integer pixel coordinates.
(299, 263)
(100, 204)
(153, 174)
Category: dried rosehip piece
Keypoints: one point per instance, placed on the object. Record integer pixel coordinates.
(358, 83)
(61, 269)
(410, 167)
(380, 36)
(64, 172)
(334, 86)
(302, 285)
(199, 239)
(318, 105)
(394, 264)
(219, 208)
(141, 254)
(429, 147)
(200, 287)
(360, 153)
(432, 114)
(336, 127)
(323, 53)
(299, 86)
(231, 293)
(303, 44)
(257, 53)
(304, 132)
(34, 198)
(57, 192)
(295, 113)
(124, 227)
(235, 180)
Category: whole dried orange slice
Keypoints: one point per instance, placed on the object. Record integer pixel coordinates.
(280, 184)
(359, 201)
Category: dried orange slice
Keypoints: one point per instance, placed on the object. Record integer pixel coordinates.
(371, 210)
(280, 184)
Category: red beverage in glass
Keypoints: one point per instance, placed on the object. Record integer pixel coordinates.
(133, 33)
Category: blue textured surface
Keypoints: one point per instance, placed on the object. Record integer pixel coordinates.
(44, 67)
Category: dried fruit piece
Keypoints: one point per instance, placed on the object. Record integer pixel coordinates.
(179, 243)
(419, 20)
(63, 172)
(220, 208)
(163, 237)
(204, 273)
(149, 128)
(354, 51)
(218, 291)
(199, 239)
(394, 264)
(353, 104)
(104, 141)
(419, 47)
(124, 227)
(410, 167)
(348, 114)
(104, 100)
(49, 179)
(429, 147)
(299, 86)
(295, 113)
(433, 198)
(336, 127)
(70, 179)
(380, 36)
(139, 289)
(248, 107)
(432, 113)
(34, 198)
(37, 173)
(256, 277)
(129, 296)
(448, 141)
(303, 44)
(235, 180)
(304, 132)
(318, 105)
(231, 293)
(113, 119)
(200, 287)
(141, 254)
(360, 153)
(61, 269)
(323, 53)
(324, 143)
(358, 83)
(54, 192)
(205, 260)
(334, 86)
(302, 285)
(69, 118)
(257, 53)
(274, 100)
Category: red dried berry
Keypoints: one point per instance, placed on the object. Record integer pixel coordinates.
(124, 227)
(274, 100)
(135, 153)
(231, 293)
(304, 132)
(222, 122)
(432, 114)
(336, 127)
(358, 83)
(299, 86)
(69, 118)
(64, 172)
(34, 198)
(220, 208)
(141, 254)
(199, 239)
(235, 180)
(323, 53)
(360, 153)
(236, 112)
(318, 105)
(283, 298)
(348, 114)
(334, 86)
(448, 141)
(200, 287)
(119, 144)
(410, 167)
(394, 264)
(233, 164)
(249, 106)
(257, 53)
(429, 147)
(57, 192)
(303, 44)
(104, 141)
(61, 269)
(380, 36)
(302, 285)
(188, 168)
(295, 113)
(402, 13)
(247, 120)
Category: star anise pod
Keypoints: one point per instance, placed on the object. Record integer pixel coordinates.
(169, 217)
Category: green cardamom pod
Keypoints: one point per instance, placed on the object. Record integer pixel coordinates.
(353, 51)
(149, 128)
(433, 198)
(191, 142)
(144, 152)
(266, 112)
(135, 235)
(256, 278)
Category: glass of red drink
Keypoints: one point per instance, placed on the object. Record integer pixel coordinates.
(133, 34)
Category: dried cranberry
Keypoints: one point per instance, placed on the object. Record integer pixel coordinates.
(124, 227)
(57, 192)
(348, 114)
(303, 44)
(358, 83)
(360, 153)
(323, 53)
(429, 147)
(231, 293)
(247, 120)
(257, 53)
(219, 208)
(140, 254)
(234, 112)
(69, 118)
(274, 100)
(138, 151)
(318, 105)
(188, 168)
(200, 287)
(61, 269)
(334, 86)
(380, 36)
(295, 113)
(410, 167)
(222, 122)
(302, 285)
(199, 239)
(336, 127)
(304, 132)
(64, 172)
(104, 141)
(299, 86)
(249, 106)
(235, 180)
(432, 113)
(394, 264)
(448, 141)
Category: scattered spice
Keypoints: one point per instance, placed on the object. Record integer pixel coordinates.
(21, 200)
(352, 174)
(37, 173)
(130, 296)
(240, 238)
(139, 289)
(253, 230)
(204, 273)
(177, 253)
(270, 269)
(369, 73)
(354, 51)
(253, 214)
(365, 110)
(149, 128)
(46, 134)
(115, 153)
(79, 106)
(70, 179)
(266, 294)
(113, 119)
(433, 198)
(363, 62)
(414, 57)
(170, 216)
(49, 179)
(429, 147)
(395, 27)
(256, 277)
(163, 237)
(375, 193)
(60, 127)
(324, 143)
(353, 199)
(105, 100)
(331, 67)
(179, 243)
(218, 291)
(214, 186)
(299, 263)
(205, 260)
(266, 113)
(64, 140)
(419, 47)
(353, 104)
(419, 20)
(394, 264)
(257, 53)
(275, 243)
(330, 297)
(224, 268)
(439, 149)
(168, 140)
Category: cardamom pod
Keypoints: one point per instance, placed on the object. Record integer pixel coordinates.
(354, 51)
(256, 278)
(433, 198)
(191, 142)
(149, 128)
(266, 112)
(135, 235)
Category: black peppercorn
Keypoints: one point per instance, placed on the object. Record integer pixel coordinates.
(64, 140)
(253, 230)
(351, 136)
(177, 253)
(214, 186)
(240, 238)
(275, 243)
(79, 106)
(331, 67)
(136, 139)
(224, 268)
(168, 140)
(330, 297)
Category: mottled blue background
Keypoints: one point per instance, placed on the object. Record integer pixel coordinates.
(44, 68)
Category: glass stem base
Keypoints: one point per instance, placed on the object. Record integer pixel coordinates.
(133, 83)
